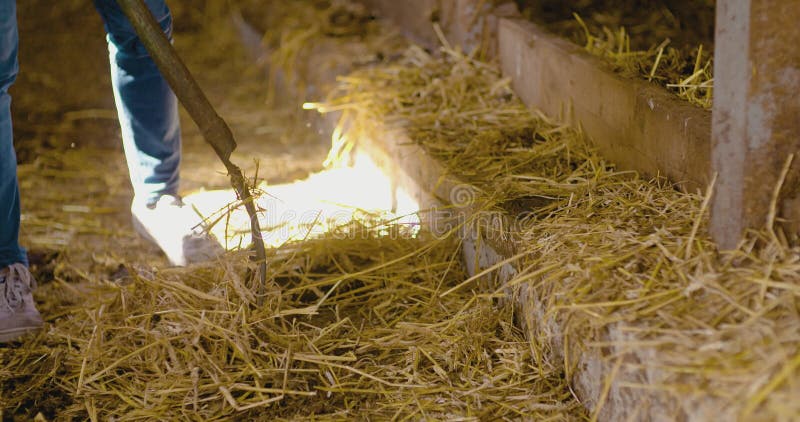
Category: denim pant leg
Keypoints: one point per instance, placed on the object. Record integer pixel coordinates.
(10, 250)
(146, 105)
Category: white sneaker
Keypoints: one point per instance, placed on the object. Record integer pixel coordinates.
(176, 229)
(18, 314)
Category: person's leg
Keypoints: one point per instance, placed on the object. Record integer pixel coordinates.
(10, 250)
(147, 107)
(18, 314)
(148, 115)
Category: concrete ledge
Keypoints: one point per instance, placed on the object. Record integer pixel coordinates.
(634, 124)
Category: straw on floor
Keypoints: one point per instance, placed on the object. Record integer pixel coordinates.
(354, 327)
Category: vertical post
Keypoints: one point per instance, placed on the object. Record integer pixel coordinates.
(756, 116)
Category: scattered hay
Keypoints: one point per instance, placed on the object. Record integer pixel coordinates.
(354, 328)
(465, 115)
(630, 278)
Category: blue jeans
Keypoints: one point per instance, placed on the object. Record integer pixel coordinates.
(147, 109)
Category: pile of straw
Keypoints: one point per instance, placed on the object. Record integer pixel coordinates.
(353, 328)
(627, 273)
(609, 265)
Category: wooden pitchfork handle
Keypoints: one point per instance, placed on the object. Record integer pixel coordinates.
(214, 129)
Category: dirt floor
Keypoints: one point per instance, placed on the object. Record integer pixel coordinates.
(73, 177)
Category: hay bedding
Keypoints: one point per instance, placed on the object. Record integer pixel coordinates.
(353, 328)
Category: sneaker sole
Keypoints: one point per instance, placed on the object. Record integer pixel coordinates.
(15, 334)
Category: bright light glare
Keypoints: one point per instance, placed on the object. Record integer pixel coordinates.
(310, 207)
